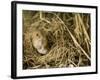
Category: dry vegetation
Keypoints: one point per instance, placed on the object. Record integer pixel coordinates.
(68, 35)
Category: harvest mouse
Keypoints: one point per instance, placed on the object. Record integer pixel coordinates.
(39, 41)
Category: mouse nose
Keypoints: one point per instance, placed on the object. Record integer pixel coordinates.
(42, 50)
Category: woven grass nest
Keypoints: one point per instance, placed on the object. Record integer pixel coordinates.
(68, 36)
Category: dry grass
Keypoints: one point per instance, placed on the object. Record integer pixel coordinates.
(68, 35)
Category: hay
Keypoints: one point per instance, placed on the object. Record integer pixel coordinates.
(68, 36)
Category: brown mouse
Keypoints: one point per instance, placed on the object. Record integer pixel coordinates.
(39, 41)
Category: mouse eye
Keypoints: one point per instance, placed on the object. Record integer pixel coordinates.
(37, 34)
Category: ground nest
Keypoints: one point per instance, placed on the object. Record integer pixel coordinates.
(68, 36)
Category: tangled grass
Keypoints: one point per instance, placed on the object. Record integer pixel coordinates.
(68, 35)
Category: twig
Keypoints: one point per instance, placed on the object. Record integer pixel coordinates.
(41, 18)
(72, 62)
